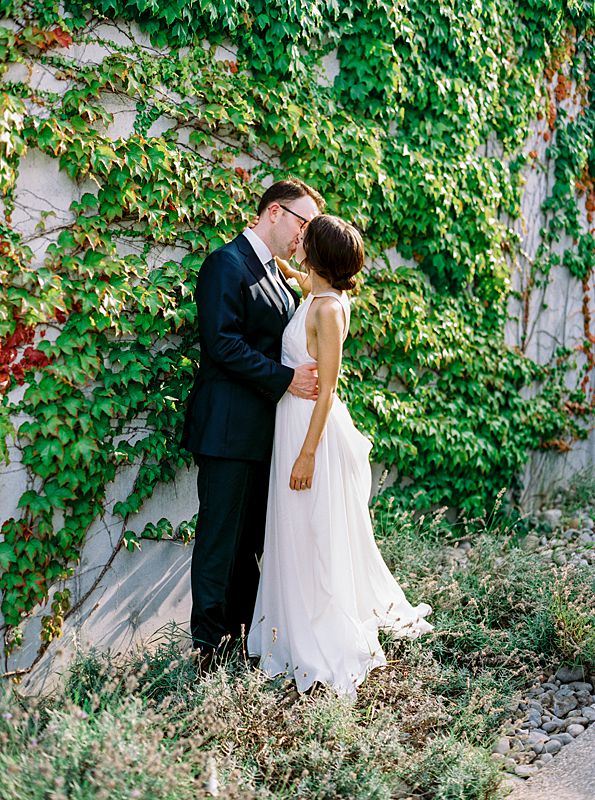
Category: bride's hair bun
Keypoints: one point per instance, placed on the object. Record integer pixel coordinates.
(334, 250)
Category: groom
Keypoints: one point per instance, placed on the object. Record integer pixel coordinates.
(244, 304)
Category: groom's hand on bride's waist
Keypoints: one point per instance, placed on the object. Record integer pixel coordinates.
(305, 382)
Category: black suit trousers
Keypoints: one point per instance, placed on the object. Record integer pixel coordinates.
(229, 539)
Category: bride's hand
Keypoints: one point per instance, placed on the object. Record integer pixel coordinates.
(302, 472)
(285, 267)
(289, 272)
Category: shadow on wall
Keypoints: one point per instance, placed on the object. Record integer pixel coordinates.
(141, 593)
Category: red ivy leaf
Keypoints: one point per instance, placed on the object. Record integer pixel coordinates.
(243, 173)
(63, 38)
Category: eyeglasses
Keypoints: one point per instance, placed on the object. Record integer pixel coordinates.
(303, 219)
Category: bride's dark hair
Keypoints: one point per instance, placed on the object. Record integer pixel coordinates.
(334, 250)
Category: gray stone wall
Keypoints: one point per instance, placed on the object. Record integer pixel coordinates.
(553, 318)
(120, 598)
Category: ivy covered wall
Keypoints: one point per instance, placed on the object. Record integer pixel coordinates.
(133, 143)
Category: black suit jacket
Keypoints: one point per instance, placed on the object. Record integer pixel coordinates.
(241, 318)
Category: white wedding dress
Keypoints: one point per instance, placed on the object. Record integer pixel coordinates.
(324, 589)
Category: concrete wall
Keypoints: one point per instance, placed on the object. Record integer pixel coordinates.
(555, 317)
(120, 598)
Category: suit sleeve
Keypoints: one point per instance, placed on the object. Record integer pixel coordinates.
(221, 325)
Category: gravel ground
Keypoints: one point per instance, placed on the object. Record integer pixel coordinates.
(557, 712)
(570, 776)
(548, 746)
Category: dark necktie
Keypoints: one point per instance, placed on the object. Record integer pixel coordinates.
(274, 270)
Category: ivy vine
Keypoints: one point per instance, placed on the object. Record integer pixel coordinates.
(100, 332)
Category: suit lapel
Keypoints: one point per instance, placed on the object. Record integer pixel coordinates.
(265, 280)
(290, 289)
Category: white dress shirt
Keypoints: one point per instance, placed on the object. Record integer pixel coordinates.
(264, 256)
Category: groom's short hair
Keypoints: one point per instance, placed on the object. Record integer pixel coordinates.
(288, 190)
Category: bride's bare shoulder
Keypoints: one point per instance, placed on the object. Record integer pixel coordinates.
(328, 312)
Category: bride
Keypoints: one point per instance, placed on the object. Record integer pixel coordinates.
(324, 590)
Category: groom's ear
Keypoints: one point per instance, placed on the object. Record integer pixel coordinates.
(273, 210)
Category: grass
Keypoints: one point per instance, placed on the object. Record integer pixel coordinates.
(148, 726)
(579, 494)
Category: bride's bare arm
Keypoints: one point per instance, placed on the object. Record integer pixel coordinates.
(301, 277)
(329, 323)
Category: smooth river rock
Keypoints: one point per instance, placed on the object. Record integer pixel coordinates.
(575, 730)
(570, 674)
(553, 746)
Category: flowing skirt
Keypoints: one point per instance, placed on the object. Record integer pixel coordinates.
(324, 589)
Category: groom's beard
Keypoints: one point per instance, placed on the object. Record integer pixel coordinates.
(286, 251)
